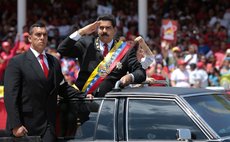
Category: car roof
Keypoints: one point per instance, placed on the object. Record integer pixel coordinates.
(146, 90)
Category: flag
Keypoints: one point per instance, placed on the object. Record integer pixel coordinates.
(169, 30)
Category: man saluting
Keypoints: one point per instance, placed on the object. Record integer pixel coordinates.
(103, 60)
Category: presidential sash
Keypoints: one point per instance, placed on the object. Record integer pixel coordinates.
(111, 60)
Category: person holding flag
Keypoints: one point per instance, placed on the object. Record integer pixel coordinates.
(103, 60)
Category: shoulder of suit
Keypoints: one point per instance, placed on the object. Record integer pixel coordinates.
(18, 56)
(87, 40)
(51, 56)
(19, 59)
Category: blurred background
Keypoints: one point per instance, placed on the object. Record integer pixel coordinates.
(196, 31)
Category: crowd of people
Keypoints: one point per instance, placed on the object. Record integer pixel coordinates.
(203, 35)
(91, 54)
(33, 80)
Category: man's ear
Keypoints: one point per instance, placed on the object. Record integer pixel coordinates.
(29, 38)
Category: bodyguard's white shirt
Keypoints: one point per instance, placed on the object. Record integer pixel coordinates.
(36, 54)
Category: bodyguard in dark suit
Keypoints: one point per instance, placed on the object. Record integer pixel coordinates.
(90, 49)
(32, 82)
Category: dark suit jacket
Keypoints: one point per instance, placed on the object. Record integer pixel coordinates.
(30, 98)
(90, 56)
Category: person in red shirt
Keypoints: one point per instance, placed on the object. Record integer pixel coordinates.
(23, 45)
(158, 72)
(6, 54)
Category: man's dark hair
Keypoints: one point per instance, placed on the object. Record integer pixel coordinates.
(107, 17)
(41, 25)
(193, 66)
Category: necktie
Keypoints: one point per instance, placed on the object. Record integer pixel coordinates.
(45, 69)
(105, 50)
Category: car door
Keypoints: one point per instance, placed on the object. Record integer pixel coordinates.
(86, 120)
(157, 119)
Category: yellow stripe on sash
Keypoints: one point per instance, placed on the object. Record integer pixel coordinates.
(106, 59)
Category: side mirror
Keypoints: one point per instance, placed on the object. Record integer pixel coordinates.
(183, 134)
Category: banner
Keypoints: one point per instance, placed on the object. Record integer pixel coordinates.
(103, 10)
(169, 30)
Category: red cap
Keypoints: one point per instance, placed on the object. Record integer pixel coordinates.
(200, 65)
(5, 44)
(26, 34)
(181, 62)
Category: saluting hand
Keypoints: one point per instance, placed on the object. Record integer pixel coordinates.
(89, 28)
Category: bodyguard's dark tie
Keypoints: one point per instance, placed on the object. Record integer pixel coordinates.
(105, 50)
(45, 68)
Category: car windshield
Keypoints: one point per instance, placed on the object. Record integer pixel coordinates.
(215, 110)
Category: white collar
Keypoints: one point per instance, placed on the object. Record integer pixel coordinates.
(36, 53)
(109, 44)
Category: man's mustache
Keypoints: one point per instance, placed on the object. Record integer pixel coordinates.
(104, 34)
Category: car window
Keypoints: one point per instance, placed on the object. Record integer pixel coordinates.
(215, 110)
(150, 119)
(77, 119)
(105, 128)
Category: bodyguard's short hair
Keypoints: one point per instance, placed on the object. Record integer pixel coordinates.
(41, 25)
(107, 17)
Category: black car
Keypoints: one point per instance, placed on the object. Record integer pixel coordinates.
(147, 114)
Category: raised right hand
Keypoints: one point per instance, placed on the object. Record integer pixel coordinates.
(19, 131)
(89, 28)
